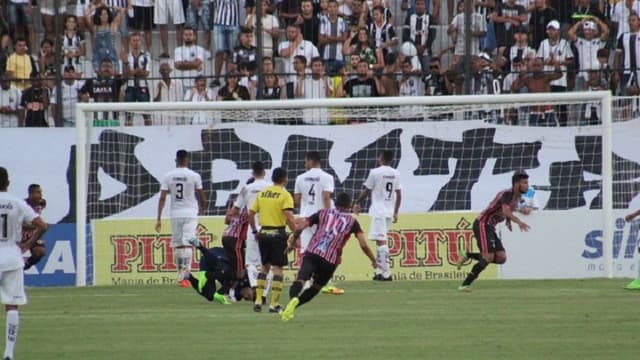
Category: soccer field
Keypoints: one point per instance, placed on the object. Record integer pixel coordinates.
(576, 319)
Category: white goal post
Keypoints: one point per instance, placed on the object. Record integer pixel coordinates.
(424, 104)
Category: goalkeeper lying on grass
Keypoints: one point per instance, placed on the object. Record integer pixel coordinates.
(214, 266)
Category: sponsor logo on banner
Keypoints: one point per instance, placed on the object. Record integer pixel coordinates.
(58, 267)
(625, 247)
(422, 247)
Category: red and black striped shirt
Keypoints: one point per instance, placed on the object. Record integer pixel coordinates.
(333, 232)
(237, 225)
(493, 215)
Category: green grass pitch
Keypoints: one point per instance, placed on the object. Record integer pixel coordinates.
(577, 319)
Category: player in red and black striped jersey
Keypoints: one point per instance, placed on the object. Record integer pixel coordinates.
(322, 256)
(500, 209)
(37, 203)
(234, 236)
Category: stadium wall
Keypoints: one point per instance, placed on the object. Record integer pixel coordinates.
(445, 166)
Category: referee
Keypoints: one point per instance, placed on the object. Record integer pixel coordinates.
(275, 206)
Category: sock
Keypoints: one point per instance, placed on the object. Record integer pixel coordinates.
(188, 258)
(379, 269)
(475, 271)
(179, 259)
(384, 261)
(276, 289)
(295, 289)
(267, 288)
(13, 320)
(252, 274)
(262, 279)
(474, 256)
(308, 294)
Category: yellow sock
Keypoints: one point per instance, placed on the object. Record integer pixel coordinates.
(262, 280)
(276, 289)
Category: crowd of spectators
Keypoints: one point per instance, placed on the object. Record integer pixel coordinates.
(310, 49)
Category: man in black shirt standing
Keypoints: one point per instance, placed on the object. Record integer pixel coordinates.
(35, 101)
(104, 88)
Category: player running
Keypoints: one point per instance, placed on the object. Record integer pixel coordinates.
(383, 183)
(216, 266)
(635, 284)
(274, 204)
(37, 203)
(312, 192)
(500, 209)
(322, 256)
(182, 184)
(13, 213)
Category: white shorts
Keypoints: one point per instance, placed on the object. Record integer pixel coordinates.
(252, 252)
(12, 287)
(305, 237)
(165, 8)
(379, 228)
(183, 230)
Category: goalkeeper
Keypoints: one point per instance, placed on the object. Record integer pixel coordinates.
(215, 266)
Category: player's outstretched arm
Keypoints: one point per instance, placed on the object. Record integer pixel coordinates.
(161, 202)
(632, 216)
(506, 210)
(252, 221)
(396, 208)
(356, 204)
(365, 249)
(201, 202)
(40, 228)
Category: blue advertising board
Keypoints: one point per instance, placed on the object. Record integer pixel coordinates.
(58, 267)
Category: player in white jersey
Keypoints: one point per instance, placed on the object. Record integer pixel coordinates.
(312, 193)
(383, 183)
(246, 197)
(14, 212)
(182, 184)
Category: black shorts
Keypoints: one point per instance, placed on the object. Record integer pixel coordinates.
(486, 238)
(142, 18)
(315, 266)
(272, 247)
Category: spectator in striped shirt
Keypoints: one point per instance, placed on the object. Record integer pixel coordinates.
(226, 24)
(324, 252)
(501, 208)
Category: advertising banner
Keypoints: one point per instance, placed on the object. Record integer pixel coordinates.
(58, 267)
(423, 247)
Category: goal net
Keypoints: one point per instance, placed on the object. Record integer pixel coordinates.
(454, 153)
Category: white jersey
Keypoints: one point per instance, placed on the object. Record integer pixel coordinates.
(249, 193)
(13, 213)
(383, 182)
(182, 184)
(310, 185)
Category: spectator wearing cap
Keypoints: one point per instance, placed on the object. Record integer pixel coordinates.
(541, 15)
(10, 114)
(508, 17)
(627, 59)
(588, 45)
(245, 53)
(70, 92)
(270, 29)
(554, 50)
(620, 15)
(199, 17)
